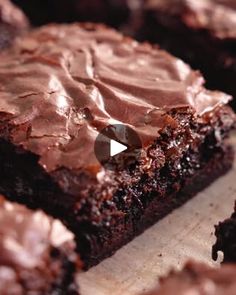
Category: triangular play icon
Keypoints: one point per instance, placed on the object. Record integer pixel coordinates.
(116, 148)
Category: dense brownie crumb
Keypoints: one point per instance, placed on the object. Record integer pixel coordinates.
(198, 278)
(200, 32)
(61, 85)
(226, 239)
(37, 253)
(12, 23)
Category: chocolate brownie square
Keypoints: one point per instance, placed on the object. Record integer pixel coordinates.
(61, 85)
(37, 253)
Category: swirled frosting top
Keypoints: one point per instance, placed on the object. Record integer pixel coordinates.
(218, 17)
(61, 84)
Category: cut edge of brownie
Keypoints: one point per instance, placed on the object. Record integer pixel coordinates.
(102, 227)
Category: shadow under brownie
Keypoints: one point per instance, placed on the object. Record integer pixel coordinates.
(37, 253)
(200, 32)
(61, 85)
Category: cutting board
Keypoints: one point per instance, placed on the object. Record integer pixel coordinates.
(186, 233)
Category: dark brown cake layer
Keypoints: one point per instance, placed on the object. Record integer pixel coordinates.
(60, 86)
(200, 32)
(37, 253)
(12, 23)
(200, 279)
(226, 239)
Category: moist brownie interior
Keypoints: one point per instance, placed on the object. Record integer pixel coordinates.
(60, 85)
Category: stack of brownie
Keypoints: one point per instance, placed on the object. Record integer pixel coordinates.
(60, 86)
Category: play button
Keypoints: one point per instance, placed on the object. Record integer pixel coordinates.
(117, 147)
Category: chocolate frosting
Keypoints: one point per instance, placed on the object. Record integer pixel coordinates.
(218, 17)
(199, 279)
(61, 84)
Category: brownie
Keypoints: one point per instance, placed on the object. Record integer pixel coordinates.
(112, 12)
(226, 239)
(200, 32)
(61, 85)
(12, 23)
(37, 253)
(200, 279)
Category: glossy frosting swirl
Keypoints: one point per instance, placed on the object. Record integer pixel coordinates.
(61, 84)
